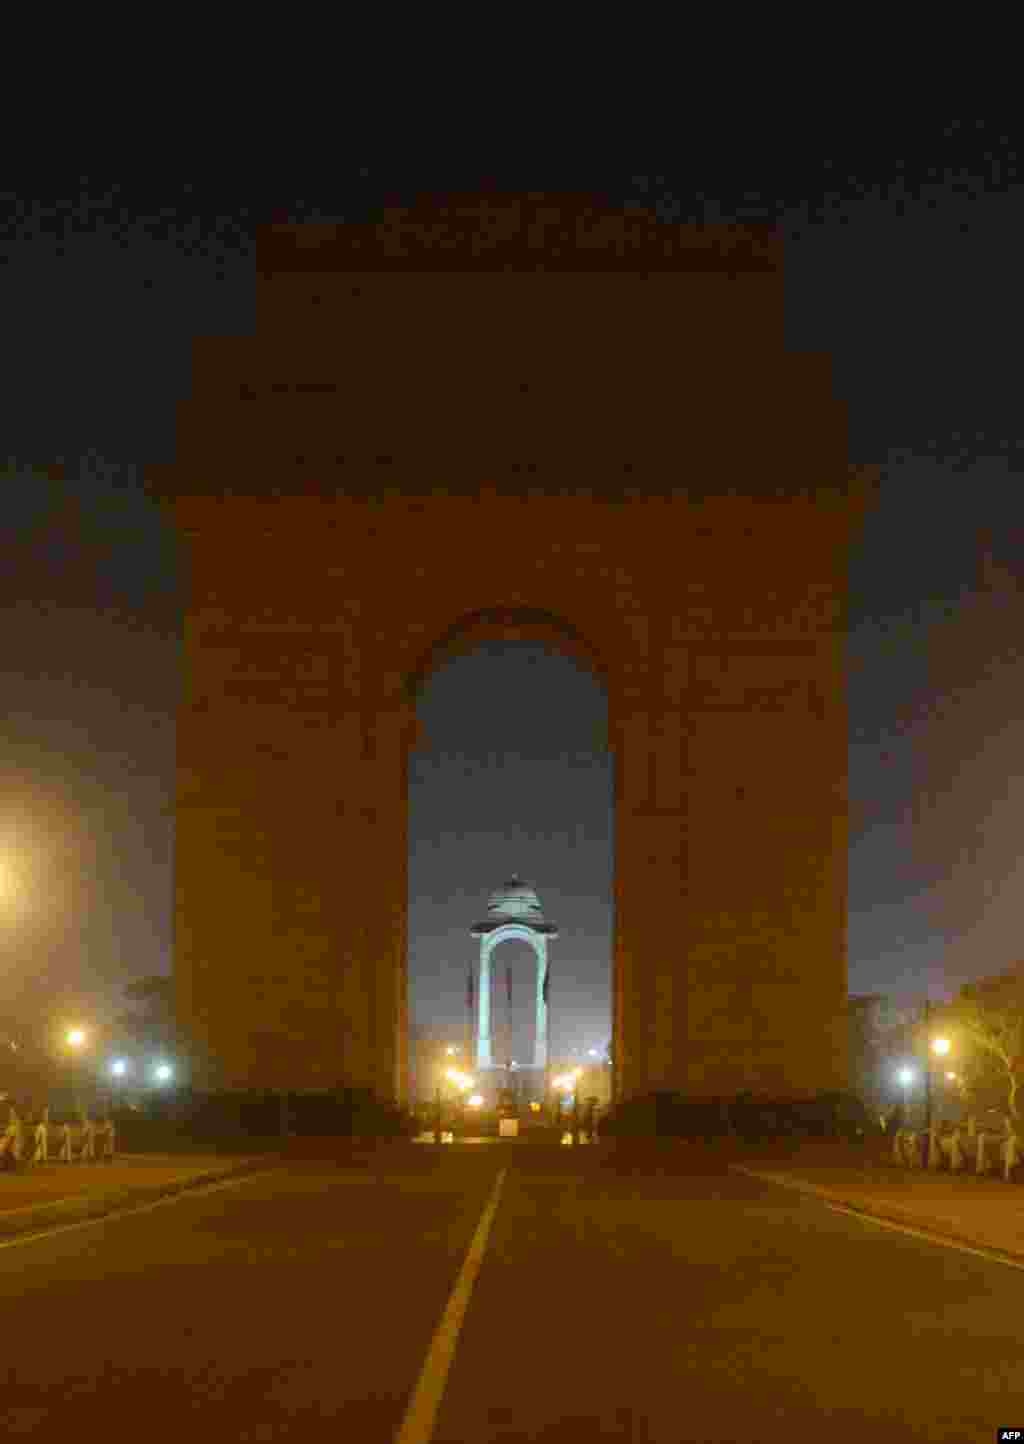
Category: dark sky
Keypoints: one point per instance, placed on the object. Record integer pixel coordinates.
(903, 263)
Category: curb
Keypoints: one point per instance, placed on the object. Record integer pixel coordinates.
(32, 1218)
(905, 1220)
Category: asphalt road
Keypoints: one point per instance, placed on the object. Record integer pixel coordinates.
(609, 1302)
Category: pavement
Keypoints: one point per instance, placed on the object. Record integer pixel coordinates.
(406, 1295)
(978, 1212)
(45, 1195)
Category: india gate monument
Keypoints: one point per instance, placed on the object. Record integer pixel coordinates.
(530, 417)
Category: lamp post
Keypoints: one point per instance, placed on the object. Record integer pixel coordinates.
(75, 1040)
(567, 1082)
(463, 1085)
(118, 1069)
(939, 1046)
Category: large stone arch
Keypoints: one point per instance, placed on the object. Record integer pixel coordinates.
(465, 634)
(353, 480)
(507, 624)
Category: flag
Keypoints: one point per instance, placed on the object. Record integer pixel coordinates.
(469, 988)
(508, 982)
(547, 978)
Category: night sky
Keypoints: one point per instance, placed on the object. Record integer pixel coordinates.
(904, 265)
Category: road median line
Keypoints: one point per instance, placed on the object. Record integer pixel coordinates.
(421, 1415)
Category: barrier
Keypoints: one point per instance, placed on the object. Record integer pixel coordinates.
(66, 1153)
(88, 1148)
(988, 1152)
(957, 1156)
(936, 1152)
(87, 1142)
(14, 1138)
(1011, 1155)
(908, 1148)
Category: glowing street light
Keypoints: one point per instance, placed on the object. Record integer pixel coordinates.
(941, 1047)
(75, 1039)
(163, 1072)
(905, 1078)
(118, 1069)
(475, 1100)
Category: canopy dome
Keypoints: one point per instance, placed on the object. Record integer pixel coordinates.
(515, 898)
(516, 901)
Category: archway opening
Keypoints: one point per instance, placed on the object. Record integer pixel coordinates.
(512, 778)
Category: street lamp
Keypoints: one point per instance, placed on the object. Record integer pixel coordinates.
(906, 1077)
(460, 1081)
(163, 1072)
(118, 1069)
(570, 1083)
(940, 1046)
(75, 1040)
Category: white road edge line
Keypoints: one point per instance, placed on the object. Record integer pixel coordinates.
(811, 1191)
(420, 1416)
(199, 1191)
(921, 1233)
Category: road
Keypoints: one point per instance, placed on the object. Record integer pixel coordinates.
(610, 1303)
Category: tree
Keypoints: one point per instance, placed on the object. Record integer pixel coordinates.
(990, 1021)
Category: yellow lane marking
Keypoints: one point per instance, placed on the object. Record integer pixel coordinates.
(420, 1416)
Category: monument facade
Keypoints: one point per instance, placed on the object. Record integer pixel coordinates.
(524, 418)
(513, 912)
